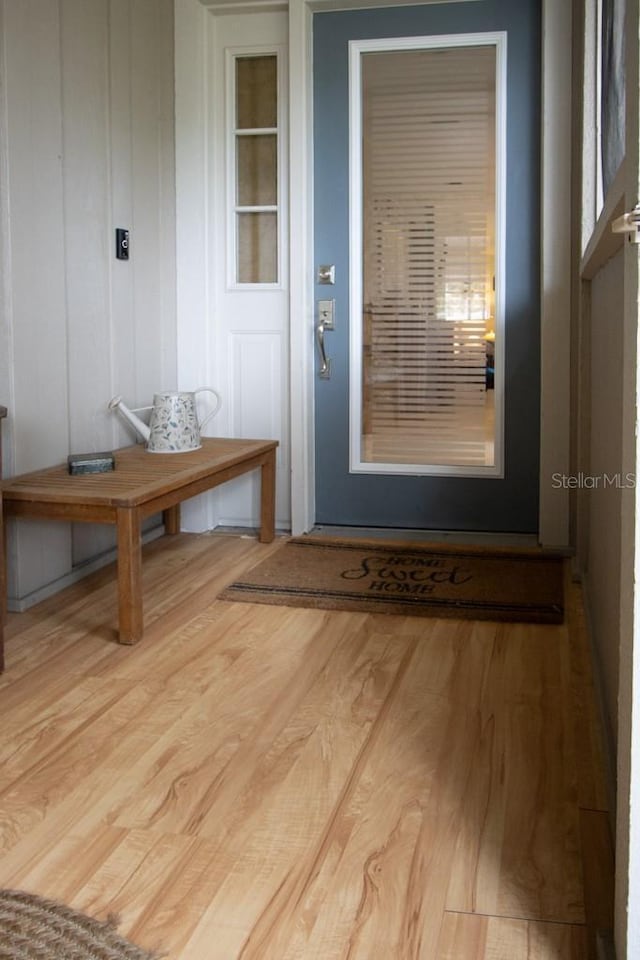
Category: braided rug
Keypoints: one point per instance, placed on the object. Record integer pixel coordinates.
(33, 928)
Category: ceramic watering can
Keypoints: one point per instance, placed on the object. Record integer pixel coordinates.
(173, 424)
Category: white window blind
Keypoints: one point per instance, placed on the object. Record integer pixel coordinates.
(428, 148)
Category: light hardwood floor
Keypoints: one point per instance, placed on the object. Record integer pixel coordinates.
(269, 783)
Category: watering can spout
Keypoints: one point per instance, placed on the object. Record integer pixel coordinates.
(116, 404)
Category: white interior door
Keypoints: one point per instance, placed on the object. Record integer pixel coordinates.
(232, 96)
(249, 248)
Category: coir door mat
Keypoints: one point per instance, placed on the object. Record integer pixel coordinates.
(425, 580)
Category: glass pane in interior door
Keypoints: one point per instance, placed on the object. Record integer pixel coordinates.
(257, 170)
(257, 247)
(256, 92)
(429, 310)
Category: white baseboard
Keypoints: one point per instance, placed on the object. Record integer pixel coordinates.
(608, 741)
(20, 604)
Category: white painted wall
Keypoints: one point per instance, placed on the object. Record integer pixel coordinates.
(88, 145)
(627, 905)
(608, 533)
(602, 570)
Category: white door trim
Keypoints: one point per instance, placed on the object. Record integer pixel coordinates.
(555, 273)
(192, 191)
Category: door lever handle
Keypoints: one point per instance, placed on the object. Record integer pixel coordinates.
(629, 223)
(325, 363)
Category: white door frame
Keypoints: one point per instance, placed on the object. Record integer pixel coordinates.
(555, 263)
(193, 295)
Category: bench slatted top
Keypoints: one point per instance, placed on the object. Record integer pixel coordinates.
(138, 477)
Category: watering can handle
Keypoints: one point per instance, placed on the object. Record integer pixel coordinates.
(213, 412)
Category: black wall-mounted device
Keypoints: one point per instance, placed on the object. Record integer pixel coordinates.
(122, 244)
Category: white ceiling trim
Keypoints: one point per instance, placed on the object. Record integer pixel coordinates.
(319, 5)
(235, 7)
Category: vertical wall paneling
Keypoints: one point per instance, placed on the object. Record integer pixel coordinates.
(605, 461)
(88, 94)
(84, 53)
(39, 404)
(627, 853)
(6, 306)
(166, 206)
(193, 29)
(152, 191)
(124, 356)
(85, 99)
(143, 201)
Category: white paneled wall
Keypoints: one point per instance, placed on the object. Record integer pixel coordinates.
(87, 145)
(603, 572)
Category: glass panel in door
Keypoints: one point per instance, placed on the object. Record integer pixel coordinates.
(428, 381)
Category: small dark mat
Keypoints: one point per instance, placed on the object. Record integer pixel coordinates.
(425, 580)
(33, 928)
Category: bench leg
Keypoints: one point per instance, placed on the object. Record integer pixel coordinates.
(129, 576)
(171, 519)
(268, 498)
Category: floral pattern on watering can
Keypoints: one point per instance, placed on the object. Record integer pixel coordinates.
(173, 425)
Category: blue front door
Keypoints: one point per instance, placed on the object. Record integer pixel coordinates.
(444, 501)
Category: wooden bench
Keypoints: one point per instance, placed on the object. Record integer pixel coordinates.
(142, 484)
